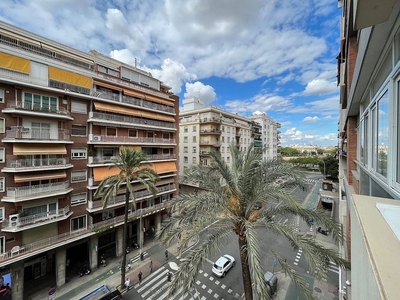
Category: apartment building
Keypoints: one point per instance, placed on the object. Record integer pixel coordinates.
(64, 116)
(369, 146)
(203, 129)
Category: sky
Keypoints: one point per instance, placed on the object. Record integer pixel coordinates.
(272, 56)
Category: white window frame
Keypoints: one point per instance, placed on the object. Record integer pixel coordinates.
(2, 125)
(2, 213)
(2, 184)
(2, 154)
(78, 199)
(78, 153)
(78, 107)
(166, 151)
(2, 95)
(84, 227)
(78, 176)
(2, 244)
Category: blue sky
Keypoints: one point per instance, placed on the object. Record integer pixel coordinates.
(277, 57)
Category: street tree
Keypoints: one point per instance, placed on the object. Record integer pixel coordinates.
(288, 151)
(240, 198)
(132, 167)
(331, 166)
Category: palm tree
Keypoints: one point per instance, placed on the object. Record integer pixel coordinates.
(133, 166)
(239, 200)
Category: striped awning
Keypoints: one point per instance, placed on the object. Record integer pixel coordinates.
(34, 176)
(37, 149)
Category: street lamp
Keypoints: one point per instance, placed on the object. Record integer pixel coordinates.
(141, 233)
(324, 168)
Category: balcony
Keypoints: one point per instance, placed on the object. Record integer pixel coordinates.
(29, 110)
(101, 139)
(20, 133)
(26, 193)
(131, 121)
(23, 165)
(120, 200)
(205, 153)
(16, 223)
(210, 131)
(211, 120)
(19, 253)
(147, 104)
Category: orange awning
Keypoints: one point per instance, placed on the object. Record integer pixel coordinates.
(103, 172)
(15, 63)
(164, 167)
(33, 176)
(107, 85)
(36, 149)
(69, 77)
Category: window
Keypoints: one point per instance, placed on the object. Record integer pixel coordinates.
(2, 96)
(223, 139)
(229, 139)
(78, 107)
(78, 153)
(185, 159)
(228, 159)
(77, 176)
(2, 155)
(165, 197)
(78, 223)
(185, 149)
(133, 133)
(111, 131)
(194, 160)
(194, 139)
(2, 213)
(185, 129)
(40, 102)
(2, 125)
(107, 70)
(166, 151)
(166, 135)
(222, 149)
(2, 244)
(194, 128)
(78, 130)
(108, 214)
(41, 209)
(228, 129)
(223, 128)
(194, 150)
(185, 139)
(383, 134)
(78, 199)
(2, 183)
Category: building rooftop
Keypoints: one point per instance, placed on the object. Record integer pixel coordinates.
(377, 217)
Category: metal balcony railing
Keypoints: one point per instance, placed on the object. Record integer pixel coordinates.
(36, 163)
(130, 120)
(147, 104)
(36, 133)
(28, 220)
(62, 239)
(28, 106)
(24, 191)
(130, 140)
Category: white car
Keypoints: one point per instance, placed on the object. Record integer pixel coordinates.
(223, 265)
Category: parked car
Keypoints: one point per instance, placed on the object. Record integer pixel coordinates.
(223, 265)
(115, 295)
(272, 282)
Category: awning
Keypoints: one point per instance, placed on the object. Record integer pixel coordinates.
(107, 85)
(164, 167)
(37, 149)
(69, 77)
(148, 97)
(131, 147)
(103, 172)
(39, 176)
(15, 63)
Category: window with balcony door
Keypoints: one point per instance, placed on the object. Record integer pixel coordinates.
(185, 149)
(185, 129)
(185, 139)
(111, 131)
(185, 159)
(2, 95)
(133, 133)
(194, 128)
(78, 223)
(166, 136)
(383, 134)
(42, 209)
(194, 139)
(78, 199)
(40, 102)
(108, 214)
(2, 213)
(78, 130)
(2, 183)
(166, 151)
(194, 150)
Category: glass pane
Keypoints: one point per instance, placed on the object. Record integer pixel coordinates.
(362, 141)
(53, 103)
(374, 138)
(383, 134)
(28, 101)
(366, 129)
(36, 101)
(45, 103)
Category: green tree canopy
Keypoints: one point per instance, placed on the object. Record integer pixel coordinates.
(239, 200)
(331, 166)
(288, 151)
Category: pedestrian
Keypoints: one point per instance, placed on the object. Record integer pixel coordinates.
(177, 246)
(151, 266)
(169, 276)
(129, 266)
(140, 277)
(127, 283)
(166, 254)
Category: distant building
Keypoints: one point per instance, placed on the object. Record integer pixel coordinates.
(369, 146)
(202, 129)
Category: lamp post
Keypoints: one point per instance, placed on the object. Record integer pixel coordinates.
(324, 168)
(141, 231)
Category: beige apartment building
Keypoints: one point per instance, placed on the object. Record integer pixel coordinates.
(64, 116)
(369, 147)
(203, 129)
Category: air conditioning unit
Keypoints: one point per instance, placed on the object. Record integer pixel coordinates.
(14, 220)
(96, 138)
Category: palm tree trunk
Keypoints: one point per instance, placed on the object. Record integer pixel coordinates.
(124, 239)
(248, 291)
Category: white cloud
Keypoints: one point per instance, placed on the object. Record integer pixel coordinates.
(311, 119)
(320, 87)
(200, 90)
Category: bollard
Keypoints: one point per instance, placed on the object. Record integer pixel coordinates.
(141, 256)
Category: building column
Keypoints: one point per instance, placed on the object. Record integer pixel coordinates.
(61, 266)
(119, 237)
(93, 252)
(17, 280)
(157, 221)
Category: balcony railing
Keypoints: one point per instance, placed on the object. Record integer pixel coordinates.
(33, 219)
(28, 106)
(36, 163)
(62, 239)
(25, 191)
(121, 198)
(147, 104)
(130, 120)
(36, 133)
(130, 140)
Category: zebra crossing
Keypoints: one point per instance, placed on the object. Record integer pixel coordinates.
(155, 286)
(313, 180)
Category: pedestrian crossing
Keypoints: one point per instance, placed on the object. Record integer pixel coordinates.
(313, 180)
(155, 286)
(331, 267)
